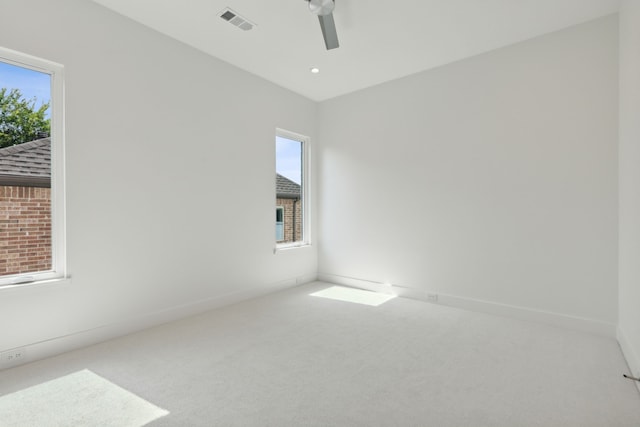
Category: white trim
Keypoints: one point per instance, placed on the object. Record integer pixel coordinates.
(597, 327)
(633, 361)
(25, 60)
(58, 192)
(58, 172)
(307, 196)
(63, 344)
(61, 283)
(285, 247)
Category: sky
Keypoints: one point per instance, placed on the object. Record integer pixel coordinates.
(289, 159)
(31, 83)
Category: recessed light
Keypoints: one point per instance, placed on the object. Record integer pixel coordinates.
(315, 70)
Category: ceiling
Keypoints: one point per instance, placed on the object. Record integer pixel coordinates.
(378, 41)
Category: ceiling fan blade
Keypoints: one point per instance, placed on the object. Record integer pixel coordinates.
(329, 31)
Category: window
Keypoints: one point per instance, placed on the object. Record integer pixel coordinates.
(31, 169)
(292, 201)
(279, 223)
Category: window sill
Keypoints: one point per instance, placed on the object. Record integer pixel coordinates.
(38, 284)
(290, 247)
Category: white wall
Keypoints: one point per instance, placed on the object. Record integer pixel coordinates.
(170, 172)
(629, 252)
(492, 179)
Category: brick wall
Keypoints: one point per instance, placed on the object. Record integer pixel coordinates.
(25, 229)
(288, 205)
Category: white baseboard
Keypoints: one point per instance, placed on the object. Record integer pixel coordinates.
(630, 355)
(523, 313)
(63, 344)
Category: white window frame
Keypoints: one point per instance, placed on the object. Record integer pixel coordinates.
(305, 188)
(58, 218)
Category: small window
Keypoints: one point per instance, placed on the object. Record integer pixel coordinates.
(291, 189)
(31, 169)
(279, 224)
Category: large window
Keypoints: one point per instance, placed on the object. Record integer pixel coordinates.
(31, 169)
(292, 190)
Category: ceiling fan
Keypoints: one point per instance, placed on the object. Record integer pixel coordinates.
(324, 10)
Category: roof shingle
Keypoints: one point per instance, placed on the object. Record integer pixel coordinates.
(28, 163)
(286, 189)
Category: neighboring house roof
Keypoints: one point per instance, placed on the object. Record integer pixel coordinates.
(27, 164)
(286, 189)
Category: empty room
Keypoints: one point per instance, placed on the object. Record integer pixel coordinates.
(456, 192)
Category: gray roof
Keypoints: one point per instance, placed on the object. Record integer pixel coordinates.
(286, 189)
(27, 164)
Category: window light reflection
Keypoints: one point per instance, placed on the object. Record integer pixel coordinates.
(357, 296)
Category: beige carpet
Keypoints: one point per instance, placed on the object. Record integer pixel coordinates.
(293, 359)
(74, 400)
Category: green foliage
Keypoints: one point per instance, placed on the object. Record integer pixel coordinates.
(19, 120)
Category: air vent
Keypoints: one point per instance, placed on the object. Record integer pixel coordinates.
(237, 20)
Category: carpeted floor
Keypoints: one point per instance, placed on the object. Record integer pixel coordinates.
(77, 399)
(292, 359)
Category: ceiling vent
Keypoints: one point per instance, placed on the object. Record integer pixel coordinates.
(235, 19)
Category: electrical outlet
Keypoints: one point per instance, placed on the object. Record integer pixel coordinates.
(432, 297)
(13, 357)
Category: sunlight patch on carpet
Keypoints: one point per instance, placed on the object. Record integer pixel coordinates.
(357, 296)
(78, 399)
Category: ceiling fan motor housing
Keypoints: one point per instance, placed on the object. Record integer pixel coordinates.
(321, 7)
